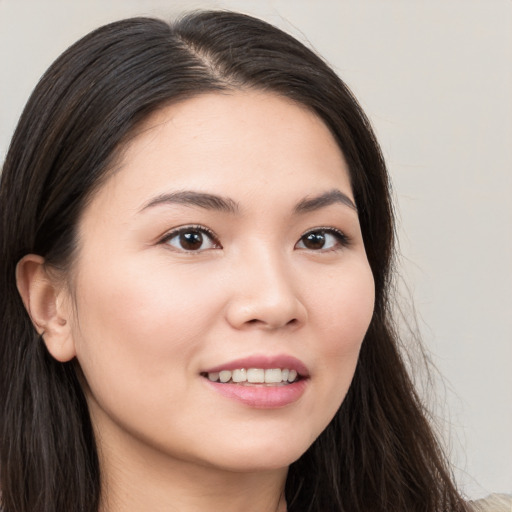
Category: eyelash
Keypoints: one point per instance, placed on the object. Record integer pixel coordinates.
(342, 239)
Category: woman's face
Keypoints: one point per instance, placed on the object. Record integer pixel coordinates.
(225, 247)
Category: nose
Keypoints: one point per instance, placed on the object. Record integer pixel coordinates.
(265, 294)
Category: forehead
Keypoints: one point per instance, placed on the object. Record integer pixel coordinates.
(231, 143)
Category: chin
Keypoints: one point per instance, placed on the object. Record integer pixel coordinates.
(262, 456)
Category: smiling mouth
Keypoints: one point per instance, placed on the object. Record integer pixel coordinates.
(254, 376)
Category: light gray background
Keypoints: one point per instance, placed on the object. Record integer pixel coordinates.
(435, 77)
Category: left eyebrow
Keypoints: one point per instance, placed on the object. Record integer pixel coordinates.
(192, 198)
(334, 196)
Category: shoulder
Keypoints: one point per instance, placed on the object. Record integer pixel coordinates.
(493, 503)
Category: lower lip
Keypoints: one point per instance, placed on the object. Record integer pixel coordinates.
(264, 396)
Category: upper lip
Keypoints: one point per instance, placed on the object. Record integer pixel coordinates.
(263, 361)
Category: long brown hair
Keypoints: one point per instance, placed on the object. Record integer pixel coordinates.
(378, 453)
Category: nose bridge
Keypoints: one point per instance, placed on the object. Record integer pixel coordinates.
(265, 293)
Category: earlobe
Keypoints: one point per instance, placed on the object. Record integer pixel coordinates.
(43, 300)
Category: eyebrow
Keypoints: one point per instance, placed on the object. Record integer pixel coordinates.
(226, 204)
(192, 198)
(326, 199)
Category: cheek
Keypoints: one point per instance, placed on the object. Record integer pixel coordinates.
(135, 327)
(343, 317)
(345, 307)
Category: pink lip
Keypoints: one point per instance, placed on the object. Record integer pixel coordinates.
(265, 362)
(262, 396)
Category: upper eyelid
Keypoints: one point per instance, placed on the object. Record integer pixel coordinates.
(192, 227)
(327, 229)
(324, 228)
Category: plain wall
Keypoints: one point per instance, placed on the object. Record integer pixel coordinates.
(435, 78)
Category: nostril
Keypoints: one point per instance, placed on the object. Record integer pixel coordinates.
(256, 322)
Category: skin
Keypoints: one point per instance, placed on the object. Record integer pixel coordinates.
(144, 317)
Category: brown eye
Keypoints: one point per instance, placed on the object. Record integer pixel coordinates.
(191, 239)
(315, 240)
(322, 239)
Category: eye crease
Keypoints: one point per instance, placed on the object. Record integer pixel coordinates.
(199, 238)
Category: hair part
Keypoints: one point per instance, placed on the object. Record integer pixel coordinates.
(378, 453)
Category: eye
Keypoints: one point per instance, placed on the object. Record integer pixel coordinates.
(191, 239)
(322, 239)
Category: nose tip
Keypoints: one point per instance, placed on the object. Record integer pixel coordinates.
(267, 317)
(266, 300)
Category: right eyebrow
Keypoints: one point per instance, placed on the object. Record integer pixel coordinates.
(333, 196)
(193, 198)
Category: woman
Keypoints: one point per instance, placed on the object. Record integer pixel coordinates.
(197, 240)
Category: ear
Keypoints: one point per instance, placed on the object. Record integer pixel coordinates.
(45, 303)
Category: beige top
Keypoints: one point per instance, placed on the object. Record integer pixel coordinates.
(493, 503)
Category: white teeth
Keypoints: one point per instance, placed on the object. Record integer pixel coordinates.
(292, 375)
(254, 376)
(239, 375)
(273, 375)
(225, 375)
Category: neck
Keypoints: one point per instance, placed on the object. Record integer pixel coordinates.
(137, 483)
